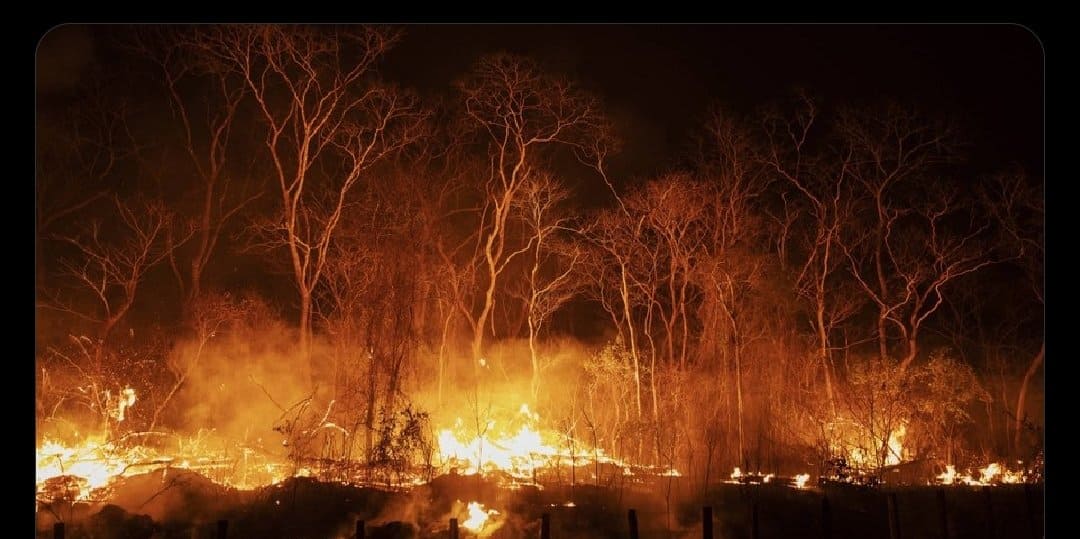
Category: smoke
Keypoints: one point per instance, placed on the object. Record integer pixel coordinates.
(243, 387)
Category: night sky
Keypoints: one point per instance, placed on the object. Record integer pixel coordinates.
(658, 80)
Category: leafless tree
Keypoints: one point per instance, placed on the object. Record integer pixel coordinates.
(823, 203)
(312, 87)
(611, 237)
(1020, 208)
(77, 150)
(920, 234)
(887, 148)
(110, 263)
(519, 112)
(550, 282)
(205, 96)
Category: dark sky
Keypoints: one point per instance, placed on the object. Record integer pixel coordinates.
(657, 80)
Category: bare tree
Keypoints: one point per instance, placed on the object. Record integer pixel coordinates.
(205, 96)
(924, 251)
(551, 281)
(519, 111)
(76, 152)
(887, 149)
(312, 87)
(921, 234)
(733, 264)
(822, 203)
(110, 263)
(1020, 208)
(611, 237)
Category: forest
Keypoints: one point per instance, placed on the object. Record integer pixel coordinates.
(254, 245)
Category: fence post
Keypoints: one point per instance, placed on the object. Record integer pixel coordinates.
(545, 526)
(943, 509)
(989, 513)
(894, 517)
(632, 516)
(58, 530)
(453, 529)
(1032, 528)
(706, 522)
(755, 531)
(826, 518)
(360, 529)
(222, 529)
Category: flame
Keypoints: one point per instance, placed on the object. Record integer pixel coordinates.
(478, 517)
(801, 479)
(518, 452)
(94, 464)
(949, 477)
(94, 461)
(863, 458)
(992, 474)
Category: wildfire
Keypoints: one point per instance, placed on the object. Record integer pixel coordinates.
(519, 451)
(478, 517)
(992, 474)
(861, 457)
(949, 477)
(94, 464)
(801, 479)
(739, 477)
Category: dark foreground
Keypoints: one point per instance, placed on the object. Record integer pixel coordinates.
(186, 505)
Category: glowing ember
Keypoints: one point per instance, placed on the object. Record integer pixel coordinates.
(737, 473)
(478, 517)
(124, 401)
(801, 479)
(992, 474)
(949, 477)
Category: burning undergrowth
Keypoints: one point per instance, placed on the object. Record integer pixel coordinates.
(230, 429)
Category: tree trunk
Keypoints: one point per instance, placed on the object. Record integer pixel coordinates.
(1021, 401)
(883, 338)
(305, 335)
(912, 352)
(823, 343)
(633, 339)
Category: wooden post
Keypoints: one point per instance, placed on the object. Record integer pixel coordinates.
(894, 517)
(706, 522)
(1033, 529)
(545, 526)
(989, 513)
(826, 518)
(360, 529)
(755, 531)
(222, 529)
(58, 530)
(453, 529)
(632, 516)
(943, 511)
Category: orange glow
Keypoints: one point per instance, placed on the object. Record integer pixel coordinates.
(801, 479)
(991, 474)
(478, 517)
(97, 464)
(517, 451)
